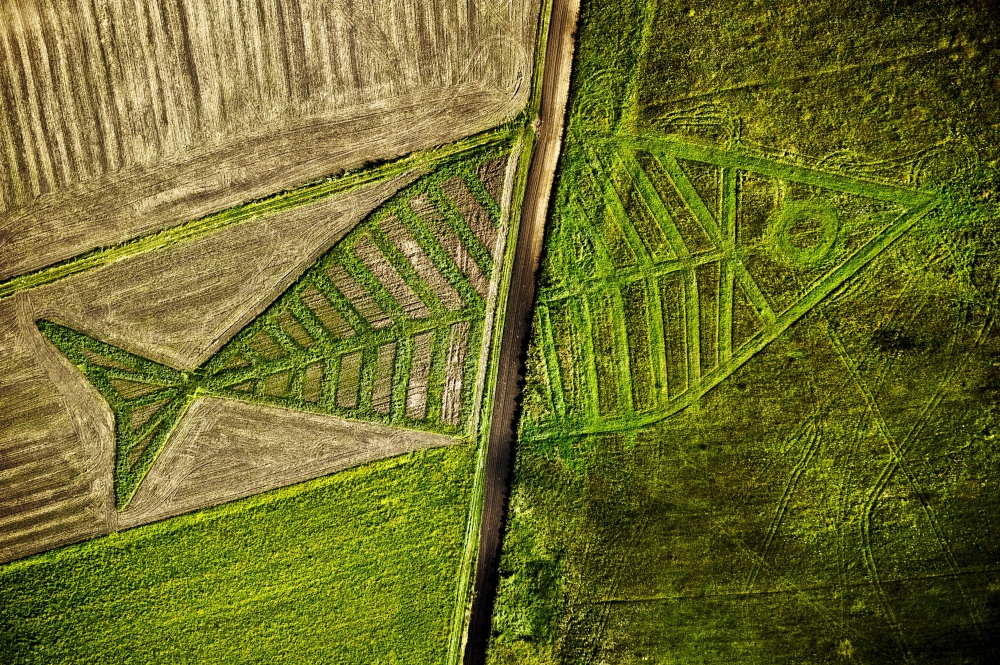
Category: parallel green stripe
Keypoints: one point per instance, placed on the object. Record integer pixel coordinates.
(727, 158)
(818, 292)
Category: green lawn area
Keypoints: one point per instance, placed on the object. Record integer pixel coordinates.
(357, 567)
(747, 436)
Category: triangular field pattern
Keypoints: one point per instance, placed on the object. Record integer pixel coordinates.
(671, 264)
(386, 327)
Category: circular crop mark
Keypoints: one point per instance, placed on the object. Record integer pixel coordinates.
(804, 232)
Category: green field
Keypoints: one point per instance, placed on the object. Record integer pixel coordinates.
(759, 421)
(368, 565)
(357, 567)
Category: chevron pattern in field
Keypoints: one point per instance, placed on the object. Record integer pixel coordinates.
(672, 264)
(388, 325)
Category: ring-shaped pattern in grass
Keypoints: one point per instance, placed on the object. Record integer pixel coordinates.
(794, 213)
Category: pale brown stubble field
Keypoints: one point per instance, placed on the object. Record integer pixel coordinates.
(176, 306)
(119, 119)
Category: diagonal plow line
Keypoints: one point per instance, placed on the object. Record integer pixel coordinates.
(867, 556)
(808, 430)
(866, 550)
(579, 212)
(890, 468)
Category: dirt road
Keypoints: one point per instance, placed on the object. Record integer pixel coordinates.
(517, 324)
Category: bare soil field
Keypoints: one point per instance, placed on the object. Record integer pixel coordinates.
(57, 446)
(55, 459)
(225, 450)
(118, 119)
(178, 306)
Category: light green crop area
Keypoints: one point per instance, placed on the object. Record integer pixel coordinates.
(357, 567)
(760, 417)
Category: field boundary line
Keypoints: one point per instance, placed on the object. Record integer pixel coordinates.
(487, 384)
(682, 148)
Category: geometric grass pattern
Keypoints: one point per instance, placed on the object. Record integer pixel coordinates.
(385, 327)
(671, 264)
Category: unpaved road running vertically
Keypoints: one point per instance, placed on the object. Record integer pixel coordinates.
(517, 322)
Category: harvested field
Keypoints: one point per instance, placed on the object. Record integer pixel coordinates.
(388, 277)
(420, 369)
(384, 369)
(449, 241)
(458, 344)
(311, 351)
(360, 300)
(122, 119)
(348, 375)
(180, 327)
(404, 242)
(380, 306)
(225, 450)
(180, 370)
(55, 459)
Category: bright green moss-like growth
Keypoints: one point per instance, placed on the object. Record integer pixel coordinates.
(760, 415)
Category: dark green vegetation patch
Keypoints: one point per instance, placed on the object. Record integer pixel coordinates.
(760, 421)
(386, 327)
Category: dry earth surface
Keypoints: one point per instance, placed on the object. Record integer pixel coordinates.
(179, 306)
(119, 119)
(225, 450)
